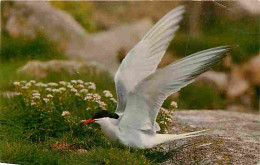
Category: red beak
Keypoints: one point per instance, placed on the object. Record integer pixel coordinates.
(84, 122)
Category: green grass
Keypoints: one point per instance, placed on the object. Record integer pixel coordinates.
(28, 133)
(24, 141)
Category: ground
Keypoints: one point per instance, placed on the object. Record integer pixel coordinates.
(234, 138)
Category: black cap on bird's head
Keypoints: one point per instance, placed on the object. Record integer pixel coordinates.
(101, 114)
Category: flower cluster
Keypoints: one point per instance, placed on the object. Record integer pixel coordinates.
(39, 94)
(165, 116)
(62, 97)
(47, 96)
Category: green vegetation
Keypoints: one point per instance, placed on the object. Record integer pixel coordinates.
(41, 125)
(15, 52)
(22, 49)
(219, 30)
(81, 11)
(200, 96)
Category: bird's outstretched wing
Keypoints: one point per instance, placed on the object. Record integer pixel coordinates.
(144, 102)
(143, 59)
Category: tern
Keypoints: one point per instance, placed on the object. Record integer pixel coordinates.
(141, 87)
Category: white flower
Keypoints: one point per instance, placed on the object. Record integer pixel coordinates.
(83, 91)
(174, 104)
(39, 84)
(16, 83)
(82, 151)
(107, 93)
(62, 89)
(62, 83)
(74, 90)
(25, 87)
(36, 97)
(18, 93)
(73, 81)
(35, 91)
(55, 90)
(49, 96)
(65, 113)
(32, 81)
(70, 86)
(23, 81)
(28, 84)
(101, 104)
(168, 119)
(46, 100)
(77, 94)
(163, 110)
(48, 89)
(91, 85)
(113, 99)
(52, 84)
(80, 81)
(96, 96)
(36, 94)
(80, 86)
(33, 103)
(89, 96)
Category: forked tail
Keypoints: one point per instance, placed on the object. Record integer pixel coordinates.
(162, 138)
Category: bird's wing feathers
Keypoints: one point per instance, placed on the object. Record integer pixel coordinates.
(143, 59)
(145, 101)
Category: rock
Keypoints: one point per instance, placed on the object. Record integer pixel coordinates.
(237, 84)
(40, 69)
(234, 137)
(27, 19)
(110, 42)
(251, 6)
(218, 79)
(227, 61)
(252, 69)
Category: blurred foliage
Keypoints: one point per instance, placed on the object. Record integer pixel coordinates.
(80, 11)
(219, 28)
(200, 96)
(9, 74)
(15, 49)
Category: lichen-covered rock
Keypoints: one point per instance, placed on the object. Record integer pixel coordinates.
(234, 138)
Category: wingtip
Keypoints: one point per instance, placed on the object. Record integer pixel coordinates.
(179, 8)
(229, 47)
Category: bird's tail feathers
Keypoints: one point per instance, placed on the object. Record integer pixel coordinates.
(162, 138)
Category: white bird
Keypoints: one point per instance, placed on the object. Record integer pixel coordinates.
(141, 87)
